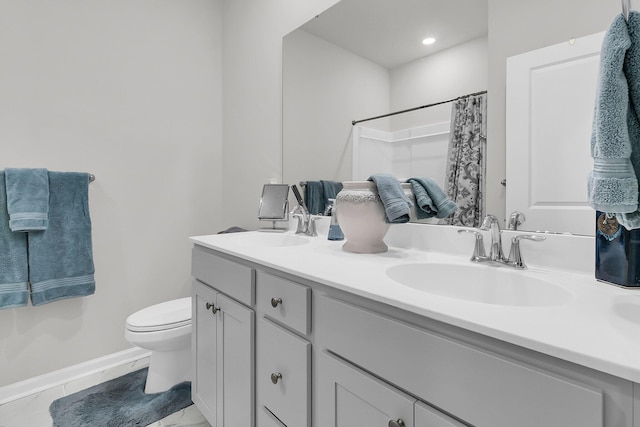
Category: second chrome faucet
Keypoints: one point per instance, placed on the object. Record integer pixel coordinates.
(496, 255)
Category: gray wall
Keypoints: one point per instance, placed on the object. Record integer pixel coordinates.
(130, 91)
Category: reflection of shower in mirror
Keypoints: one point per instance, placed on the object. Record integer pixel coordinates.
(404, 153)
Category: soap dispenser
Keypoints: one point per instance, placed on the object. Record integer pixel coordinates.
(335, 232)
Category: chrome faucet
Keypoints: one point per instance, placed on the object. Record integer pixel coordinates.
(492, 224)
(306, 222)
(515, 220)
(496, 255)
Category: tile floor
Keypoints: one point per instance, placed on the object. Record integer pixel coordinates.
(33, 410)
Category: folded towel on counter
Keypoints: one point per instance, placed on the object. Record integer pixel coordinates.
(318, 193)
(61, 258)
(396, 204)
(14, 291)
(27, 199)
(430, 199)
(232, 229)
(613, 183)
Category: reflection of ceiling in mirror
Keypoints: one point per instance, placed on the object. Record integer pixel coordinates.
(390, 32)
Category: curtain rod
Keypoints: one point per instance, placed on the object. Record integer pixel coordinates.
(354, 122)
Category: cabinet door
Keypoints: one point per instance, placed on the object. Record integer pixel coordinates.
(636, 405)
(426, 416)
(204, 327)
(350, 397)
(235, 354)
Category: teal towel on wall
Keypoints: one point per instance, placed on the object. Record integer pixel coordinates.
(61, 258)
(397, 206)
(27, 199)
(13, 258)
(430, 199)
(615, 138)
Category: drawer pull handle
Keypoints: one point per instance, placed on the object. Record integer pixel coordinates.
(276, 377)
(397, 423)
(275, 302)
(213, 308)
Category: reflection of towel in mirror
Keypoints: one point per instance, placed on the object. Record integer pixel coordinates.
(13, 259)
(61, 258)
(27, 199)
(615, 138)
(430, 199)
(397, 206)
(318, 193)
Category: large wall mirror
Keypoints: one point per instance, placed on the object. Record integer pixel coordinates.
(363, 58)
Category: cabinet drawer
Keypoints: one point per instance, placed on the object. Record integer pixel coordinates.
(267, 419)
(479, 387)
(285, 301)
(285, 358)
(233, 279)
(428, 416)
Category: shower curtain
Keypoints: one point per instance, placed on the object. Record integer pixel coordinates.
(466, 162)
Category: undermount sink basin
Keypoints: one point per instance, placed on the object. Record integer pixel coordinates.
(270, 240)
(480, 284)
(628, 309)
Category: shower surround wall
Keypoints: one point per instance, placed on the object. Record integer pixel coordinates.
(129, 91)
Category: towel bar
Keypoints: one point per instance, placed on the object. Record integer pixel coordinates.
(626, 6)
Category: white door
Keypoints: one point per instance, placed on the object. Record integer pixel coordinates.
(550, 100)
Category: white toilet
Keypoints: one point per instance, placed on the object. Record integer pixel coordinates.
(165, 329)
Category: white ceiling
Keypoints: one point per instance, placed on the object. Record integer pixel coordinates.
(390, 32)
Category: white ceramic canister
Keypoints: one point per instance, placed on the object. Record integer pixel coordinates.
(362, 217)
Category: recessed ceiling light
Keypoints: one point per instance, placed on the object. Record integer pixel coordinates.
(428, 41)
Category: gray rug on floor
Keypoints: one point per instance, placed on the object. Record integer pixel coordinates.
(119, 402)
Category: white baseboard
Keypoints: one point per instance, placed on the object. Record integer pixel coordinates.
(62, 376)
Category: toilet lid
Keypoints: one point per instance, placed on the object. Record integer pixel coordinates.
(166, 315)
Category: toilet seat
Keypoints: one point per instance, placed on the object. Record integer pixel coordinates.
(167, 315)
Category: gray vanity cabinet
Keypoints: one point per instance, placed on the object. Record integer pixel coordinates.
(223, 337)
(481, 385)
(328, 358)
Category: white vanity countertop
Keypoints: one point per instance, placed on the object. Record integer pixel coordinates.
(599, 328)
